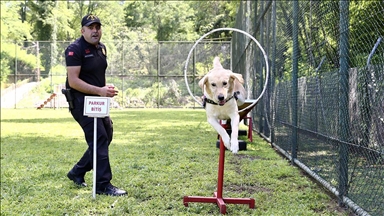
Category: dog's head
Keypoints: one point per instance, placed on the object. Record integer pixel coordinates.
(218, 84)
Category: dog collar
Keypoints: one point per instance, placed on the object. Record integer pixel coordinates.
(207, 100)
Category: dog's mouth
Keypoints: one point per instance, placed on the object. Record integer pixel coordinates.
(221, 103)
(221, 100)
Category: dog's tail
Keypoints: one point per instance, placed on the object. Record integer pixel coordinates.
(216, 63)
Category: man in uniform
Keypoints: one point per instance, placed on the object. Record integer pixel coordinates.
(86, 64)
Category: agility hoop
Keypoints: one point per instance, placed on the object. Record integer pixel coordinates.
(236, 30)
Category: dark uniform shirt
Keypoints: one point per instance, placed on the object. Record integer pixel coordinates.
(92, 59)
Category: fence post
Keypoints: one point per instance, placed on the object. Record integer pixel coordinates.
(272, 74)
(15, 74)
(158, 73)
(267, 43)
(295, 68)
(343, 122)
(194, 72)
(261, 78)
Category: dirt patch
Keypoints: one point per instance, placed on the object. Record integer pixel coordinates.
(250, 157)
(251, 189)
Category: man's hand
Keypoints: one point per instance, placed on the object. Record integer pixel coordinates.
(108, 91)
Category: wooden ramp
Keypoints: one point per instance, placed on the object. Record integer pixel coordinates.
(52, 97)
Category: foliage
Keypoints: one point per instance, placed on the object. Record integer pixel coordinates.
(319, 34)
(158, 156)
(5, 68)
(58, 70)
(10, 52)
(169, 20)
(50, 23)
(48, 83)
(365, 31)
(134, 96)
(182, 20)
(172, 95)
(12, 29)
(156, 95)
(214, 14)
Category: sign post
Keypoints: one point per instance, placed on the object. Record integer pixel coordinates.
(96, 107)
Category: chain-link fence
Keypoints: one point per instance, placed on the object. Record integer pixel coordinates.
(324, 108)
(147, 74)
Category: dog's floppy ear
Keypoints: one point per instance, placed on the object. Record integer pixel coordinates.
(238, 76)
(203, 82)
(232, 80)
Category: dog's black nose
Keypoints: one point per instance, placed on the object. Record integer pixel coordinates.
(220, 97)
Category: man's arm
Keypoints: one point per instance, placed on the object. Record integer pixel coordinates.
(76, 83)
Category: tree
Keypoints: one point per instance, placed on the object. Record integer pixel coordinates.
(211, 15)
(12, 27)
(13, 30)
(169, 20)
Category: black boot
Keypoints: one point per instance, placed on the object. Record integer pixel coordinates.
(111, 191)
(78, 180)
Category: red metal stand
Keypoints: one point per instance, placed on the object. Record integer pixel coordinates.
(250, 128)
(218, 195)
(227, 126)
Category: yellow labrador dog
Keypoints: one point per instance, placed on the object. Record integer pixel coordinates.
(223, 93)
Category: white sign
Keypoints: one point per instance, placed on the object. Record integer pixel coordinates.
(96, 106)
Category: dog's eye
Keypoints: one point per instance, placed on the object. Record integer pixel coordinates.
(213, 84)
(225, 83)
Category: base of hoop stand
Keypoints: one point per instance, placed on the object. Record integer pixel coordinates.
(218, 195)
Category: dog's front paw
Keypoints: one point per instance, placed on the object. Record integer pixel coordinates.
(234, 146)
(226, 142)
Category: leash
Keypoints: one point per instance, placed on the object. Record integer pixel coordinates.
(207, 100)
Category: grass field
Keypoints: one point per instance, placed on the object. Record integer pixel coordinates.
(158, 156)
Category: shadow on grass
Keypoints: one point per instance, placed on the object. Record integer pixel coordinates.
(39, 120)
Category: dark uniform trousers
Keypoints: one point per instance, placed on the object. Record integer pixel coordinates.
(104, 138)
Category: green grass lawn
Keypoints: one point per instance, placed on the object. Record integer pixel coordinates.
(158, 156)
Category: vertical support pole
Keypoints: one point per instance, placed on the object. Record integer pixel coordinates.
(254, 90)
(273, 68)
(244, 63)
(15, 77)
(261, 78)
(122, 89)
(267, 97)
(220, 177)
(295, 68)
(194, 73)
(343, 122)
(38, 62)
(250, 127)
(94, 156)
(123, 75)
(158, 74)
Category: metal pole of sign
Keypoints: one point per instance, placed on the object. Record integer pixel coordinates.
(96, 107)
(94, 156)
